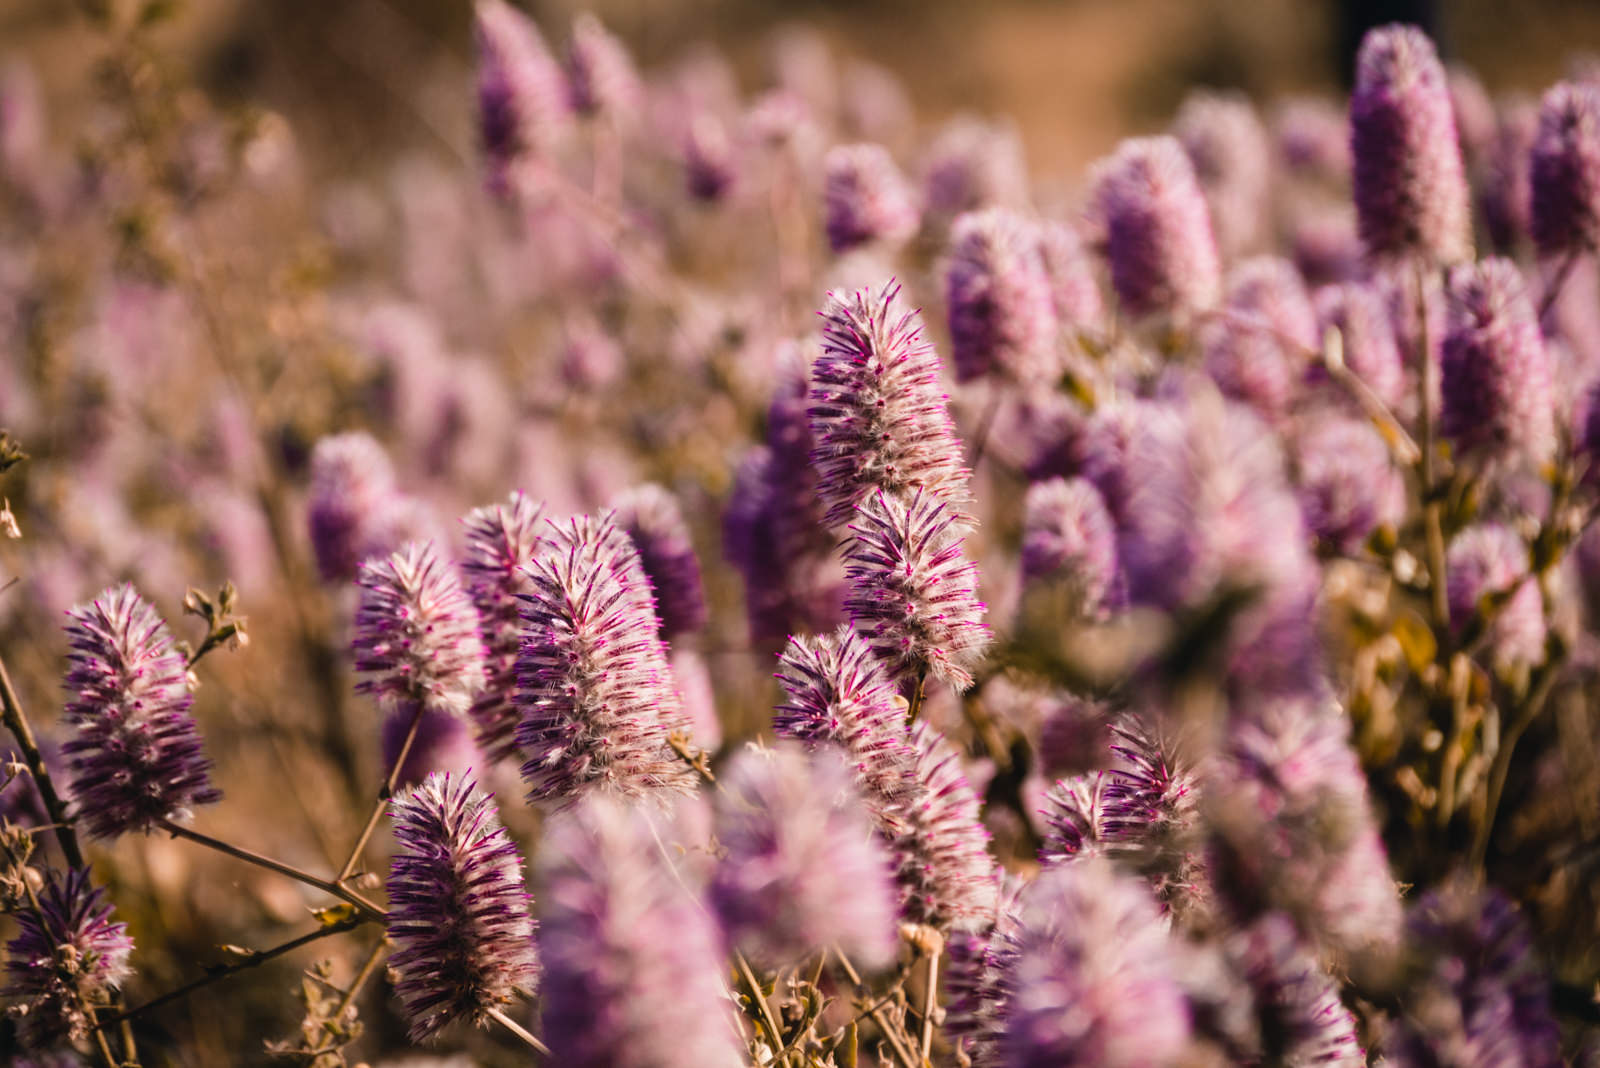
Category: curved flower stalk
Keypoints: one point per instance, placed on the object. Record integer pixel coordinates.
(653, 520)
(1564, 174)
(459, 915)
(802, 870)
(633, 965)
(947, 877)
(1410, 184)
(998, 297)
(136, 758)
(595, 688)
(67, 959)
(1232, 158)
(913, 593)
(352, 490)
(866, 200)
(1257, 351)
(523, 112)
(416, 632)
(500, 539)
(879, 420)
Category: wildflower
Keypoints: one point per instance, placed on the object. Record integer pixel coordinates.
(947, 877)
(601, 78)
(1505, 192)
(500, 539)
(652, 519)
(65, 961)
(522, 95)
(1068, 532)
(1228, 145)
(1002, 313)
(1074, 290)
(1302, 1020)
(865, 199)
(1564, 173)
(1489, 560)
(1371, 350)
(977, 975)
(973, 164)
(352, 484)
(416, 632)
(1256, 353)
(1347, 482)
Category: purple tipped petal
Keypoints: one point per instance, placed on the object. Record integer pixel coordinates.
(947, 877)
(652, 519)
(65, 961)
(1068, 533)
(1002, 313)
(1301, 1017)
(416, 632)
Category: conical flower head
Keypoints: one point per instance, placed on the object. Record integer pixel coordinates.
(1302, 1020)
(500, 539)
(352, 485)
(1074, 289)
(1002, 315)
(1256, 353)
(1495, 375)
(1159, 242)
(913, 592)
(1410, 184)
(633, 963)
(654, 522)
(65, 961)
(1232, 158)
(879, 419)
(1347, 482)
(801, 869)
(1490, 560)
(977, 976)
(458, 914)
(1068, 532)
(1094, 981)
(136, 757)
(594, 684)
(835, 692)
(1564, 170)
(416, 632)
(522, 92)
(947, 877)
(601, 78)
(1074, 818)
(866, 200)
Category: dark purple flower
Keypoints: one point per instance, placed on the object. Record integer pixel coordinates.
(1410, 185)
(1314, 139)
(835, 692)
(1489, 559)
(136, 757)
(879, 420)
(633, 963)
(500, 539)
(352, 484)
(801, 869)
(1159, 242)
(1257, 350)
(65, 961)
(709, 163)
(416, 632)
(1346, 480)
(973, 164)
(1232, 158)
(1068, 533)
(522, 92)
(1495, 375)
(1094, 980)
(1001, 311)
(977, 971)
(947, 877)
(442, 742)
(1564, 170)
(594, 684)
(601, 79)
(866, 199)
(1302, 1021)
(1505, 191)
(458, 913)
(1360, 313)
(652, 519)
(913, 592)
(1074, 289)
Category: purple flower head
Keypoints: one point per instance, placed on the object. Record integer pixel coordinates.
(1094, 980)
(973, 164)
(458, 913)
(1074, 819)
(784, 592)
(1314, 139)
(443, 742)
(1484, 997)
(1564, 170)
(1303, 1023)
(1325, 246)
(65, 961)
(1346, 480)
(652, 519)
(352, 484)
(1067, 532)
(594, 684)
(835, 692)
(913, 592)
(947, 877)
(1495, 374)
(879, 419)
(1256, 352)
(1489, 559)
(977, 976)
(1159, 242)
(1074, 289)
(1505, 191)
(1410, 184)
(1360, 313)
(522, 93)
(866, 200)
(136, 757)
(633, 963)
(1103, 444)
(803, 870)
(709, 163)
(500, 539)
(1002, 311)
(416, 632)
(1232, 158)
(601, 79)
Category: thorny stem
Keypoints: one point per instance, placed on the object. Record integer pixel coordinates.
(767, 1016)
(368, 909)
(384, 794)
(17, 722)
(695, 758)
(521, 1032)
(907, 1060)
(930, 998)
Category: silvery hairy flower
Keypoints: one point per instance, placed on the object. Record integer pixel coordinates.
(1158, 237)
(352, 485)
(458, 913)
(1410, 185)
(594, 684)
(416, 632)
(1371, 351)
(500, 539)
(879, 419)
(913, 593)
(136, 757)
(801, 869)
(1256, 352)
(1490, 560)
(66, 960)
(1232, 158)
(947, 877)
(998, 298)
(1564, 170)
(866, 200)
(1346, 480)
(633, 963)
(1069, 534)
(1495, 382)
(522, 92)
(654, 522)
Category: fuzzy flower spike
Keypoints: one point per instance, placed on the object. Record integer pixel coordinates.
(459, 915)
(65, 961)
(1002, 311)
(1564, 175)
(654, 522)
(522, 91)
(137, 758)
